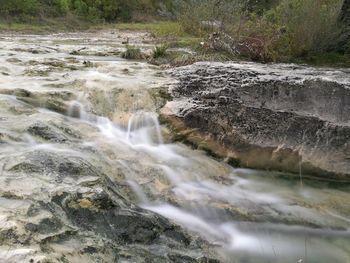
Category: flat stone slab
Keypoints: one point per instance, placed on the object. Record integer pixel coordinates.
(281, 117)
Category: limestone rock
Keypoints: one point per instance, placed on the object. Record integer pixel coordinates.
(280, 117)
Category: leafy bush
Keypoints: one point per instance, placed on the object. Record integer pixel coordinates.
(62, 6)
(95, 10)
(19, 7)
(258, 7)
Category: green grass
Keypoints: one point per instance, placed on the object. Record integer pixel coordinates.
(327, 59)
(185, 41)
(168, 32)
(66, 24)
(19, 27)
(159, 29)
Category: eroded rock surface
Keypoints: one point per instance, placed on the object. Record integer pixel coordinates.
(280, 117)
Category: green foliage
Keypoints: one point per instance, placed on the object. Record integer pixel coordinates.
(132, 52)
(92, 10)
(265, 30)
(62, 6)
(196, 15)
(18, 7)
(258, 7)
(310, 26)
(159, 29)
(116, 10)
(160, 51)
(108, 10)
(332, 59)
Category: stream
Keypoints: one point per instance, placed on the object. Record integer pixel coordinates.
(71, 98)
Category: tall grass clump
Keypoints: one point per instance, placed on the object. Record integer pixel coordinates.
(160, 51)
(132, 52)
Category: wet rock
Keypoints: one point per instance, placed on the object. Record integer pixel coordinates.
(120, 225)
(59, 204)
(40, 71)
(88, 64)
(53, 165)
(13, 60)
(38, 50)
(269, 117)
(75, 218)
(46, 132)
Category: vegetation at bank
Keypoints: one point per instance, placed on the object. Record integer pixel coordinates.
(92, 10)
(316, 32)
(284, 30)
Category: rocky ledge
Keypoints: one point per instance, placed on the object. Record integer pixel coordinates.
(279, 117)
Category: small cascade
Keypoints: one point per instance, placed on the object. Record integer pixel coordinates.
(75, 109)
(143, 127)
(81, 108)
(139, 125)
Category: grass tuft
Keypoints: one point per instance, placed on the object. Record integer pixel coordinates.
(132, 52)
(160, 51)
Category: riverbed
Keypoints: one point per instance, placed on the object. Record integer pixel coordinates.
(80, 137)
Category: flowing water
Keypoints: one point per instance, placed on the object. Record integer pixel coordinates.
(247, 215)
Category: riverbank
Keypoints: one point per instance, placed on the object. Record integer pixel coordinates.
(166, 33)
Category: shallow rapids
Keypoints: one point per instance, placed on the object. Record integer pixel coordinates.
(202, 199)
(246, 215)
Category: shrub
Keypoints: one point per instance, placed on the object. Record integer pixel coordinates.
(310, 26)
(202, 16)
(232, 28)
(95, 10)
(62, 6)
(290, 28)
(19, 7)
(257, 38)
(258, 7)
